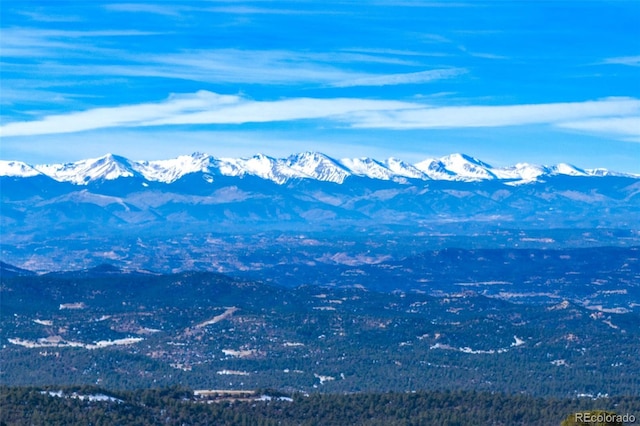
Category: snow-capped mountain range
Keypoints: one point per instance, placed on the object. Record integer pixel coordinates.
(308, 165)
(95, 210)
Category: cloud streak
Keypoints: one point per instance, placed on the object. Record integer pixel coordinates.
(175, 10)
(101, 52)
(632, 61)
(202, 107)
(144, 8)
(614, 116)
(38, 44)
(626, 128)
(406, 78)
(496, 116)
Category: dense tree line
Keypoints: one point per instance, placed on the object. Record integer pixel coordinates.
(176, 406)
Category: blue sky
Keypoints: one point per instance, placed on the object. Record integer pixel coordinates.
(505, 81)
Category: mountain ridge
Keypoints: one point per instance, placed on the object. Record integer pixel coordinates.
(306, 165)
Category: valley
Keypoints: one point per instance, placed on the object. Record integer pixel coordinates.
(209, 331)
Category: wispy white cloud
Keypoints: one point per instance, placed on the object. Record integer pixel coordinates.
(405, 78)
(202, 107)
(626, 128)
(246, 111)
(633, 61)
(216, 72)
(427, 4)
(12, 96)
(354, 56)
(38, 44)
(100, 56)
(285, 67)
(271, 67)
(496, 116)
(117, 116)
(396, 52)
(48, 17)
(57, 51)
(177, 9)
(247, 10)
(43, 34)
(166, 10)
(253, 66)
(615, 116)
(487, 56)
(433, 38)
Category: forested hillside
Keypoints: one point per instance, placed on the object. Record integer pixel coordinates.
(176, 406)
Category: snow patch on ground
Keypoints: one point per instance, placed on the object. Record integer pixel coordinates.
(59, 342)
(232, 373)
(93, 398)
(240, 353)
(323, 378)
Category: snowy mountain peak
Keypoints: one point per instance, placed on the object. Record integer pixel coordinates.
(436, 170)
(461, 158)
(198, 154)
(17, 169)
(171, 170)
(603, 172)
(263, 166)
(568, 169)
(468, 167)
(305, 165)
(400, 168)
(367, 167)
(309, 156)
(107, 167)
(259, 165)
(318, 166)
(523, 172)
